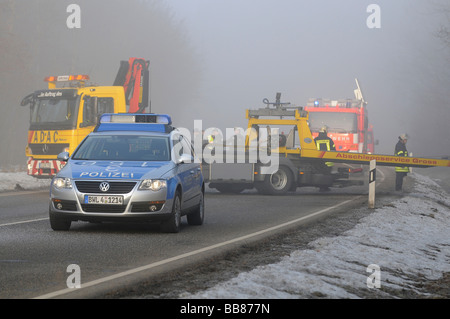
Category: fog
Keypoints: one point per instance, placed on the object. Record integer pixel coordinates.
(252, 49)
(212, 59)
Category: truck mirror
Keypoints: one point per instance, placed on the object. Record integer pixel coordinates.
(63, 157)
(185, 158)
(27, 99)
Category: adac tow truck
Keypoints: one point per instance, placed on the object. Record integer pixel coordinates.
(61, 117)
(299, 163)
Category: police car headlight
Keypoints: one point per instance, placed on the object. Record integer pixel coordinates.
(152, 184)
(62, 182)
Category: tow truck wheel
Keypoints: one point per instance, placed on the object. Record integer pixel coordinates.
(198, 215)
(58, 223)
(277, 183)
(172, 225)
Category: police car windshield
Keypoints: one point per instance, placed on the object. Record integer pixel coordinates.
(124, 148)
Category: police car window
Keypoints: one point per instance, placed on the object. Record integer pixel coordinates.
(124, 148)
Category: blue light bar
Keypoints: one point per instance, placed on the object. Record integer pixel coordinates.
(135, 118)
(134, 122)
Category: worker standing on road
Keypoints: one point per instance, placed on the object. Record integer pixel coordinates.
(401, 172)
(325, 143)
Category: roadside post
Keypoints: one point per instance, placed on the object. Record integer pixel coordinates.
(372, 178)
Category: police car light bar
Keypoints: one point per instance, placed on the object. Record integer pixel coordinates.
(135, 118)
(134, 122)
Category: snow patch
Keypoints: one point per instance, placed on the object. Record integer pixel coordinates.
(406, 238)
(10, 181)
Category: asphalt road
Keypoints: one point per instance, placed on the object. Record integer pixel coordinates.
(34, 259)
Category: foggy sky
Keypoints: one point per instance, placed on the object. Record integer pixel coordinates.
(35, 42)
(251, 49)
(212, 59)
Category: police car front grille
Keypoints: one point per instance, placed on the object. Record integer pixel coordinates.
(93, 208)
(93, 187)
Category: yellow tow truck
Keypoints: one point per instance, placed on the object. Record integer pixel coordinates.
(279, 155)
(62, 115)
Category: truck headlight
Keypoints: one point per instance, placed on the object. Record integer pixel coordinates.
(62, 182)
(153, 184)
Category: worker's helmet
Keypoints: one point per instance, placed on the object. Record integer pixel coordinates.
(404, 136)
(324, 129)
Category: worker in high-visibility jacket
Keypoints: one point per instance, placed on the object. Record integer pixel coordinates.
(401, 172)
(325, 143)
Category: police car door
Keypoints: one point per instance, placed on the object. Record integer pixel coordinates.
(187, 171)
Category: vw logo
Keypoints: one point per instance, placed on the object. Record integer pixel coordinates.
(104, 186)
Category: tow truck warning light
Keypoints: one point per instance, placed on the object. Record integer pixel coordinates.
(65, 78)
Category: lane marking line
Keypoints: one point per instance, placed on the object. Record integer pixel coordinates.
(24, 221)
(4, 194)
(189, 254)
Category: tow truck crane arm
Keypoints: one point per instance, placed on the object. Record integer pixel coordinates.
(133, 75)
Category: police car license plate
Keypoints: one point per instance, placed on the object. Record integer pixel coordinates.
(108, 200)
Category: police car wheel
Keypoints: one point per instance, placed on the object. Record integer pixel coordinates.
(172, 225)
(198, 215)
(58, 223)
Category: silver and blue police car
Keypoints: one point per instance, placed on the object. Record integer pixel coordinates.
(133, 167)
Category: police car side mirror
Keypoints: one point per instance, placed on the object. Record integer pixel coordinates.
(185, 158)
(63, 157)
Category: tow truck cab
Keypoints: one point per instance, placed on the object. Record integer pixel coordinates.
(68, 110)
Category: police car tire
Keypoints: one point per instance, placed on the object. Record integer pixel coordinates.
(172, 225)
(268, 187)
(198, 215)
(58, 223)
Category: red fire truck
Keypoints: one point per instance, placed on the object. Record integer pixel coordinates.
(347, 121)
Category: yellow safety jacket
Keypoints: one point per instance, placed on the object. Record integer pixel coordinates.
(404, 169)
(327, 143)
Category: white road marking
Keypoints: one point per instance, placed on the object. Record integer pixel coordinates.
(24, 221)
(189, 254)
(22, 193)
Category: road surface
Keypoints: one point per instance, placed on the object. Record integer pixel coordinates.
(34, 259)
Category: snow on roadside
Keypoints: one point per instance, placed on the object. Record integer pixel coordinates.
(11, 181)
(405, 238)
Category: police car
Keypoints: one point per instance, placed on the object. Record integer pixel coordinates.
(133, 167)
